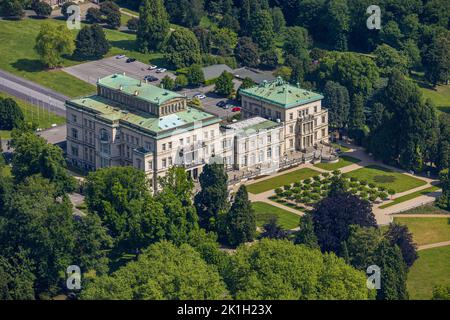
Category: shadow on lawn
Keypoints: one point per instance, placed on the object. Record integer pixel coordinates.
(29, 65)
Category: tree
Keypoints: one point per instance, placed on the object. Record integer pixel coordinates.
(110, 193)
(182, 49)
(388, 58)
(163, 271)
(399, 235)
(273, 230)
(333, 215)
(361, 245)
(261, 29)
(16, 277)
(153, 25)
(297, 41)
(65, 7)
(188, 13)
(42, 9)
(408, 132)
(195, 75)
(279, 23)
(204, 38)
(391, 34)
(11, 116)
(33, 155)
(278, 269)
(247, 52)
(181, 81)
(91, 42)
(337, 102)
(240, 220)
(113, 19)
(168, 83)
(212, 200)
(393, 276)
(444, 200)
(52, 43)
(94, 15)
(133, 24)
(269, 59)
(225, 40)
(337, 23)
(224, 85)
(306, 235)
(436, 60)
(357, 119)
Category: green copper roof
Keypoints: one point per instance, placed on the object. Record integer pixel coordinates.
(281, 93)
(131, 86)
(159, 127)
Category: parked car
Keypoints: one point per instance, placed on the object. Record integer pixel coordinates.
(200, 96)
(150, 78)
(221, 104)
(120, 56)
(236, 109)
(152, 67)
(129, 60)
(161, 70)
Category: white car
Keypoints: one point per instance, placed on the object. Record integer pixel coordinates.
(161, 70)
(120, 56)
(152, 67)
(200, 96)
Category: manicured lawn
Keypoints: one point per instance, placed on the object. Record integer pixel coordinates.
(343, 162)
(17, 40)
(426, 209)
(440, 95)
(387, 178)
(427, 230)
(281, 180)
(431, 269)
(41, 117)
(343, 148)
(264, 212)
(410, 196)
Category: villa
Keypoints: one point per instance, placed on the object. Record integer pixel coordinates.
(132, 123)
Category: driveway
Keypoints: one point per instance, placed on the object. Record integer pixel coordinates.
(91, 71)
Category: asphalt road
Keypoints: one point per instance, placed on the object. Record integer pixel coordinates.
(32, 93)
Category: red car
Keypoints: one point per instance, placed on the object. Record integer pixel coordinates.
(236, 109)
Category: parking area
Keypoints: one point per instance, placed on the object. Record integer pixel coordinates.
(91, 71)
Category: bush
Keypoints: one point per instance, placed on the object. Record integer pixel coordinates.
(391, 192)
(363, 194)
(372, 198)
(307, 181)
(353, 179)
(181, 81)
(287, 187)
(133, 24)
(316, 184)
(278, 191)
(372, 185)
(42, 9)
(381, 188)
(296, 190)
(363, 182)
(94, 15)
(336, 172)
(297, 184)
(383, 195)
(353, 191)
(326, 174)
(316, 178)
(64, 8)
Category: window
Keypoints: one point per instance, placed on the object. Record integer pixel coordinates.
(323, 133)
(74, 118)
(74, 133)
(104, 136)
(75, 151)
(181, 141)
(291, 129)
(315, 109)
(164, 163)
(291, 116)
(170, 145)
(105, 148)
(205, 134)
(324, 120)
(212, 133)
(170, 161)
(269, 138)
(269, 153)
(194, 138)
(291, 143)
(163, 147)
(150, 165)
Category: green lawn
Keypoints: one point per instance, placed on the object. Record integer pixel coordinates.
(41, 117)
(427, 230)
(410, 196)
(440, 95)
(17, 40)
(426, 209)
(343, 148)
(387, 178)
(265, 211)
(343, 162)
(281, 180)
(431, 269)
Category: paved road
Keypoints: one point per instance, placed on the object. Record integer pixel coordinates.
(33, 93)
